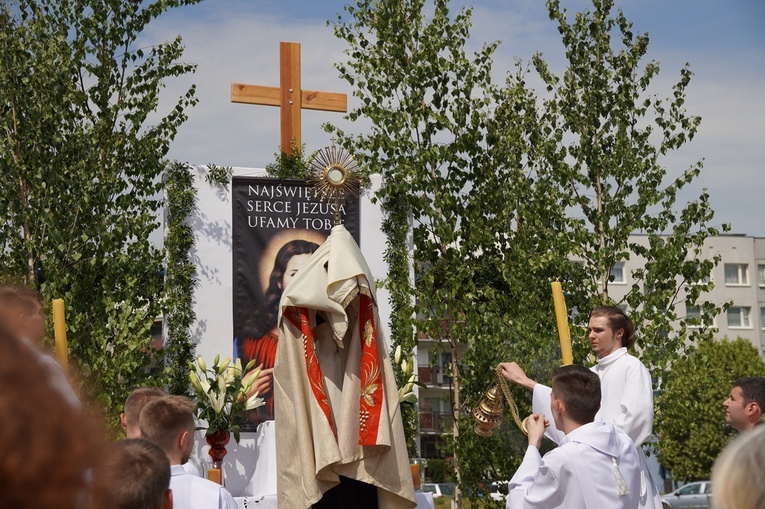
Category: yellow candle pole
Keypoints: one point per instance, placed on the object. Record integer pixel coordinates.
(59, 328)
(562, 318)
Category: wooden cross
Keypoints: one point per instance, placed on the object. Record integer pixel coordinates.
(289, 96)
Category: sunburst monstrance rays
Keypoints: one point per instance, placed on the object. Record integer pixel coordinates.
(334, 176)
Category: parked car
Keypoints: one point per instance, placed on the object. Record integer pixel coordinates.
(443, 489)
(498, 490)
(695, 495)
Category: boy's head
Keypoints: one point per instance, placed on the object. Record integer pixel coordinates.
(134, 403)
(135, 474)
(575, 392)
(169, 422)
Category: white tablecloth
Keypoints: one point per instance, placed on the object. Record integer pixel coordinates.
(424, 501)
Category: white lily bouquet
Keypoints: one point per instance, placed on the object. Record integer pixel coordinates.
(222, 393)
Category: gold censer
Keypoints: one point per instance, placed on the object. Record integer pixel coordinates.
(488, 413)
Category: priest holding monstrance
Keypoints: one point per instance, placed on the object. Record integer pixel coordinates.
(340, 438)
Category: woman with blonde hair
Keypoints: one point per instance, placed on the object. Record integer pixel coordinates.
(737, 476)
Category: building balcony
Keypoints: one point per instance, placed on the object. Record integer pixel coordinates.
(433, 377)
(435, 422)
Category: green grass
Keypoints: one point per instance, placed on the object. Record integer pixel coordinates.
(446, 503)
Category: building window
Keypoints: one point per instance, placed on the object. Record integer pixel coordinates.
(762, 318)
(694, 314)
(736, 274)
(738, 317)
(617, 273)
(704, 281)
(761, 275)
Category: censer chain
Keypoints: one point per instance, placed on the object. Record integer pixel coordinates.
(510, 401)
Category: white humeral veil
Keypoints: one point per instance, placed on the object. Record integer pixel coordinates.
(317, 444)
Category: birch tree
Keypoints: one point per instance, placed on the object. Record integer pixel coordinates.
(81, 156)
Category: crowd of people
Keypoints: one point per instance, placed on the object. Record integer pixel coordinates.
(599, 417)
(56, 456)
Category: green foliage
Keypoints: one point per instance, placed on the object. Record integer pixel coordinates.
(218, 175)
(180, 276)
(436, 470)
(690, 419)
(290, 166)
(610, 132)
(396, 228)
(498, 188)
(80, 167)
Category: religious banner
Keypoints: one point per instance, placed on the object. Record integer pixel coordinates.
(277, 225)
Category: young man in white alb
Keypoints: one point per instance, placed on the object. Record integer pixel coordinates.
(596, 466)
(626, 388)
(169, 422)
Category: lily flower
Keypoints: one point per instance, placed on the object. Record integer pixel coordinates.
(224, 392)
(254, 402)
(250, 378)
(195, 381)
(218, 401)
(231, 374)
(224, 365)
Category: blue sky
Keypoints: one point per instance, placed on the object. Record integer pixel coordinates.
(724, 43)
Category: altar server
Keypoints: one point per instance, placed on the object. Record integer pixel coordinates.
(169, 423)
(626, 383)
(626, 388)
(134, 403)
(596, 465)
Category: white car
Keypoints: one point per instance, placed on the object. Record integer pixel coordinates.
(694, 495)
(498, 490)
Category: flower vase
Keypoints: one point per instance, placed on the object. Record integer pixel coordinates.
(217, 442)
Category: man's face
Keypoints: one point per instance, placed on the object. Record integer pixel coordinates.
(603, 339)
(737, 410)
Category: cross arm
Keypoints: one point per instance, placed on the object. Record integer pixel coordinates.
(271, 96)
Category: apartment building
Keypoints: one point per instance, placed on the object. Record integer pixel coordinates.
(739, 278)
